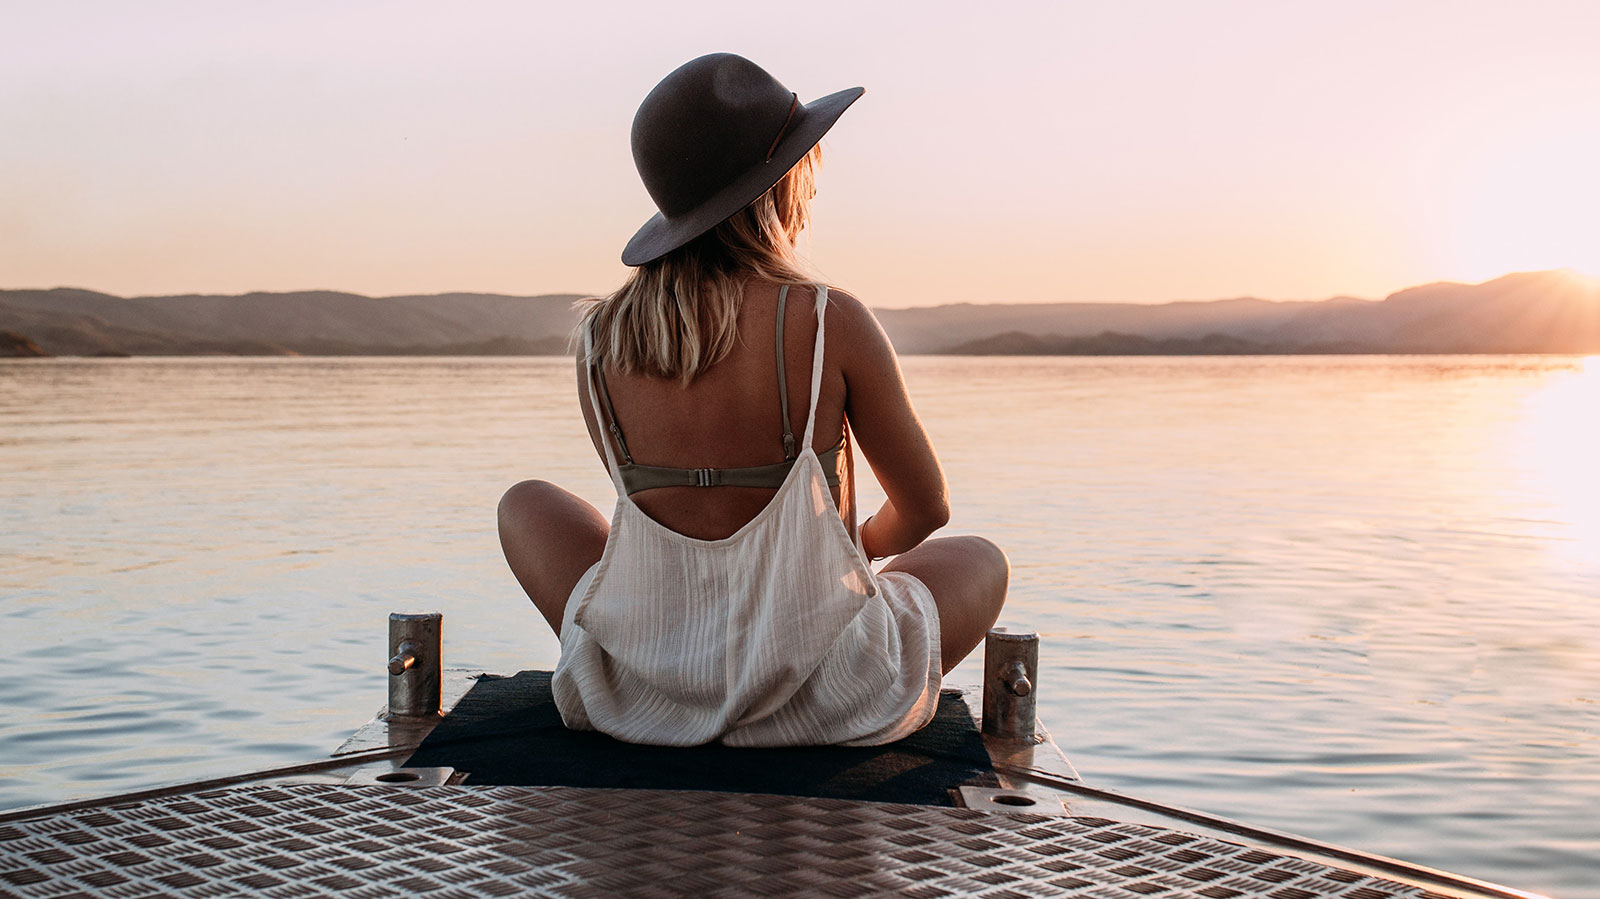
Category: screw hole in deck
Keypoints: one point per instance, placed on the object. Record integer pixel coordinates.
(1014, 799)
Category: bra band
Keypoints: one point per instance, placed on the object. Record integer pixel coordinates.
(648, 477)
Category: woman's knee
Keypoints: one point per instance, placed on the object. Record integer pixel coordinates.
(967, 575)
(994, 558)
(550, 538)
(524, 496)
(537, 513)
(525, 506)
(987, 565)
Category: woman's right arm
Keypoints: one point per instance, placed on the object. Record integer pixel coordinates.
(887, 431)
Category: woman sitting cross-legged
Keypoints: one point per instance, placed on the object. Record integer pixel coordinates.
(730, 597)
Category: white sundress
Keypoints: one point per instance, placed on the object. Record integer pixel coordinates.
(779, 635)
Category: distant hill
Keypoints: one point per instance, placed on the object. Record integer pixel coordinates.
(1528, 312)
(1111, 343)
(15, 345)
(68, 321)
(940, 328)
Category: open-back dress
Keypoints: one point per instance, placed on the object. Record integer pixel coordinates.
(778, 635)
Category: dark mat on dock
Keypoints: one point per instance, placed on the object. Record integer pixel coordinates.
(506, 732)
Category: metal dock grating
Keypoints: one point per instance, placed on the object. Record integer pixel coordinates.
(365, 842)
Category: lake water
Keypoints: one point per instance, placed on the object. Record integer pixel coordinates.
(1357, 598)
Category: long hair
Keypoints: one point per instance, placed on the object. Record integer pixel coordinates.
(678, 315)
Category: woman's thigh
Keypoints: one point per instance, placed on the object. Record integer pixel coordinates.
(968, 578)
(550, 538)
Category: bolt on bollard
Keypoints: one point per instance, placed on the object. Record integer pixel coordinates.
(415, 663)
(1010, 680)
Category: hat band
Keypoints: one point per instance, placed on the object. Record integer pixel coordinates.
(793, 105)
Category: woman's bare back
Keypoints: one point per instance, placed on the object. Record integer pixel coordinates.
(730, 416)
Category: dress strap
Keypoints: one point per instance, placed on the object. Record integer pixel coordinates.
(610, 419)
(597, 390)
(783, 380)
(816, 366)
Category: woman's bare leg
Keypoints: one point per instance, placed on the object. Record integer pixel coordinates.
(550, 537)
(968, 578)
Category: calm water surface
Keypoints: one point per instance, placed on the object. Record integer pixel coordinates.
(1355, 598)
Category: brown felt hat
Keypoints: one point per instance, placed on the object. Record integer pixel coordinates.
(713, 137)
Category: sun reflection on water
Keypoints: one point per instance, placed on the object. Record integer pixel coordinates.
(1557, 448)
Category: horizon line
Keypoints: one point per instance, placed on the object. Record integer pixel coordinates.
(1563, 270)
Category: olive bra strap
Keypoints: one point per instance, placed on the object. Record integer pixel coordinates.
(635, 477)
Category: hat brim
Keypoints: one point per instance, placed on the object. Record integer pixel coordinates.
(661, 235)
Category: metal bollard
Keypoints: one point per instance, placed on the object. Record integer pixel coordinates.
(1010, 676)
(415, 663)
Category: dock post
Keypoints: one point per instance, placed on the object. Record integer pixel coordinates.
(1010, 676)
(415, 663)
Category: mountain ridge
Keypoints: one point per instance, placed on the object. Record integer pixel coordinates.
(1522, 312)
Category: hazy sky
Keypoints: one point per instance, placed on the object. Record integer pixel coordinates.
(1126, 151)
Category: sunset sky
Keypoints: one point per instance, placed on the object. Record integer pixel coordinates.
(1133, 151)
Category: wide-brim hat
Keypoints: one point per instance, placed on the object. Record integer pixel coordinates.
(713, 137)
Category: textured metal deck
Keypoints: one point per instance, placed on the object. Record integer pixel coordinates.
(368, 842)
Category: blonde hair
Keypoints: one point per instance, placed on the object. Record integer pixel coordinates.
(678, 315)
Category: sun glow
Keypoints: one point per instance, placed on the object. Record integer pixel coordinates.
(1525, 203)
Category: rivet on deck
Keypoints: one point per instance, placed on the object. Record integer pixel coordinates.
(1010, 673)
(415, 663)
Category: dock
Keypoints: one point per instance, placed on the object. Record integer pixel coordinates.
(484, 794)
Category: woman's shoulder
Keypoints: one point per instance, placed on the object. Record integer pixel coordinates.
(851, 322)
(848, 315)
(843, 301)
(847, 311)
